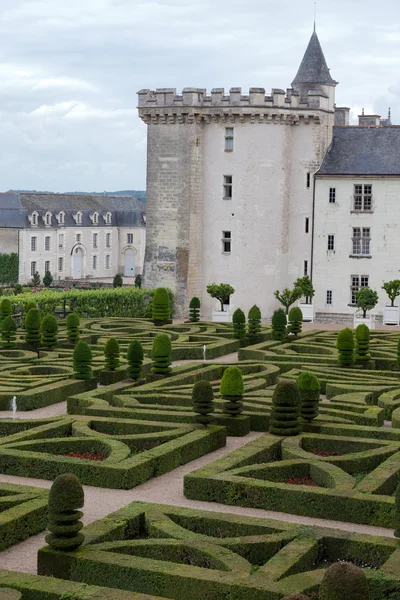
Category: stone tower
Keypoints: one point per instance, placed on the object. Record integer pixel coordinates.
(230, 185)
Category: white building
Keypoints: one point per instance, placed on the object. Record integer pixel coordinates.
(73, 236)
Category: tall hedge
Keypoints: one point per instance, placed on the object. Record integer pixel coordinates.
(362, 343)
(135, 356)
(254, 320)
(239, 324)
(285, 412)
(232, 390)
(161, 306)
(48, 331)
(161, 354)
(279, 324)
(295, 320)
(345, 347)
(32, 327)
(9, 266)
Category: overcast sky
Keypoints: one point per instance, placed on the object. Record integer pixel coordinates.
(70, 70)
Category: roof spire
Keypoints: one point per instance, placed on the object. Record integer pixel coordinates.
(313, 68)
(315, 17)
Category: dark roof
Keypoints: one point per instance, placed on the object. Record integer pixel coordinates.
(313, 68)
(363, 151)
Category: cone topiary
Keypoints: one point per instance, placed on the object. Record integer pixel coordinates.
(194, 310)
(5, 309)
(48, 331)
(254, 320)
(8, 331)
(285, 412)
(72, 323)
(239, 324)
(344, 581)
(232, 390)
(397, 514)
(32, 327)
(279, 324)
(295, 320)
(82, 361)
(203, 402)
(345, 347)
(362, 353)
(161, 354)
(161, 306)
(135, 359)
(26, 310)
(309, 388)
(65, 497)
(111, 354)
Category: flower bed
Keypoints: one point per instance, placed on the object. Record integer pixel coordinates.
(301, 481)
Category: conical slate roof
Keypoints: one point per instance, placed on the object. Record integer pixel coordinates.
(313, 68)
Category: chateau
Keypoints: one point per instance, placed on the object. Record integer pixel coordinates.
(257, 190)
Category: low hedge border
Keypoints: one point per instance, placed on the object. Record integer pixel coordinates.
(23, 512)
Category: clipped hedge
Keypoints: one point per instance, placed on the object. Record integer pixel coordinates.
(9, 267)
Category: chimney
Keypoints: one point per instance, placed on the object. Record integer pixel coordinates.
(342, 116)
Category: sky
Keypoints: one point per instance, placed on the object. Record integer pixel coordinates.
(70, 70)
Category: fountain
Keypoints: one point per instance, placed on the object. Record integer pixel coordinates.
(14, 407)
(204, 352)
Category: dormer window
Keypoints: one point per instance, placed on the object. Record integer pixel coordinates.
(95, 218)
(35, 218)
(47, 218)
(78, 218)
(107, 218)
(61, 218)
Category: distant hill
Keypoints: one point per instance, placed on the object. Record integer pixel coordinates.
(139, 194)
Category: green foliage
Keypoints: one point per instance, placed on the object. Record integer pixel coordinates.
(47, 279)
(32, 327)
(138, 281)
(279, 324)
(8, 331)
(232, 390)
(254, 320)
(66, 495)
(221, 292)
(398, 354)
(309, 388)
(161, 354)
(49, 330)
(135, 359)
(288, 297)
(18, 289)
(239, 324)
(5, 309)
(345, 347)
(203, 402)
(397, 514)
(344, 581)
(392, 288)
(36, 280)
(305, 286)
(194, 310)
(367, 299)
(117, 281)
(161, 307)
(72, 322)
(295, 320)
(111, 353)
(82, 361)
(9, 266)
(362, 343)
(284, 418)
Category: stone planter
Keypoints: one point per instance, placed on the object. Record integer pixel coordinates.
(369, 321)
(221, 316)
(307, 310)
(391, 315)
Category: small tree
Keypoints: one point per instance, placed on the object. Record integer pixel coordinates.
(295, 320)
(279, 324)
(232, 390)
(82, 361)
(111, 354)
(285, 412)
(32, 327)
(117, 281)
(161, 354)
(362, 343)
(49, 330)
(288, 297)
(72, 323)
(161, 306)
(47, 279)
(367, 299)
(392, 288)
(254, 320)
(194, 310)
(239, 324)
(203, 402)
(36, 279)
(344, 581)
(135, 359)
(8, 331)
(221, 292)
(65, 497)
(345, 347)
(306, 287)
(309, 388)
(138, 281)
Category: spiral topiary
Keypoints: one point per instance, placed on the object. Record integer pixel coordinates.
(72, 322)
(344, 581)
(309, 388)
(8, 331)
(161, 306)
(48, 331)
(239, 324)
(232, 390)
(203, 402)
(295, 320)
(65, 497)
(5, 309)
(397, 513)
(254, 320)
(161, 354)
(279, 324)
(362, 353)
(194, 310)
(345, 347)
(32, 327)
(82, 361)
(111, 354)
(135, 356)
(284, 418)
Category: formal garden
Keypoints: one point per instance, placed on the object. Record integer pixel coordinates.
(116, 394)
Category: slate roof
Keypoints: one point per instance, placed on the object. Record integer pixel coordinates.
(313, 67)
(363, 151)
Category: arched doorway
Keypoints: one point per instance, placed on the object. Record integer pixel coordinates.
(77, 263)
(129, 262)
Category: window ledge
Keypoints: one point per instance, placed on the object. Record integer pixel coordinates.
(360, 255)
(227, 198)
(226, 253)
(228, 150)
(357, 212)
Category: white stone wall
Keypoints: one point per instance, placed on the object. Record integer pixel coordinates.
(8, 241)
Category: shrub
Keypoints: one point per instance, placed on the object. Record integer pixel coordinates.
(47, 279)
(295, 320)
(254, 320)
(284, 418)
(345, 347)
(65, 497)
(392, 288)
(32, 327)
(203, 402)
(5, 309)
(362, 343)
(161, 354)
(194, 310)
(161, 307)
(309, 388)
(344, 581)
(82, 361)
(138, 281)
(135, 359)
(117, 281)
(49, 330)
(36, 280)
(232, 390)
(18, 289)
(279, 324)
(397, 513)
(288, 297)
(72, 323)
(221, 292)
(8, 330)
(305, 286)
(239, 324)
(111, 353)
(367, 299)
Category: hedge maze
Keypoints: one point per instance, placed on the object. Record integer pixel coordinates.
(23, 512)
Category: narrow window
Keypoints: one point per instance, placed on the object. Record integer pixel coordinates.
(331, 241)
(108, 240)
(33, 268)
(78, 238)
(94, 262)
(79, 218)
(95, 218)
(305, 268)
(108, 218)
(108, 261)
(61, 217)
(308, 180)
(226, 242)
(46, 266)
(60, 264)
(329, 297)
(61, 240)
(95, 236)
(228, 187)
(228, 139)
(47, 219)
(332, 195)
(130, 238)
(34, 218)
(356, 240)
(307, 225)
(33, 244)
(366, 241)
(47, 242)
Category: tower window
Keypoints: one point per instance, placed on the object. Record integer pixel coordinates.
(226, 242)
(331, 241)
(305, 268)
(307, 225)
(228, 139)
(332, 195)
(328, 297)
(228, 187)
(308, 180)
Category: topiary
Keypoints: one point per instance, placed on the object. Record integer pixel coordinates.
(111, 353)
(161, 306)
(5, 309)
(47, 279)
(82, 361)
(397, 513)
(254, 320)
(309, 388)
(239, 324)
(72, 323)
(27, 308)
(203, 402)
(345, 347)
(8, 331)
(65, 497)
(49, 330)
(194, 310)
(362, 343)
(295, 320)
(279, 324)
(232, 390)
(117, 281)
(161, 354)
(135, 359)
(284, 419)
(32, 327)
(344, 581)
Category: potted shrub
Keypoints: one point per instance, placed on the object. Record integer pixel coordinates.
(288, 297)
(367, 299)
(221, 292)
(391, 313)
(307, 307)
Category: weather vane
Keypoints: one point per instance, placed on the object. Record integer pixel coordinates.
(315, 15)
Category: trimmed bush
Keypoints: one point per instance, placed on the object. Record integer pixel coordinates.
(203, 402)
(239, 324)
(285, 409)
(5, 309)
(362, 343)
(397, 516)
(194, 310)
(72, 322)
(279, 324)
(65, 497)
(345, 347)
(117, 281)
(221, 292)
(254, 320)
(161, 354)
(398, 354)
(309, 388)
(8, 331)
(295, 320)
(82, 361)
(49, 330)
(344, 581)
(32, 327)
(232, 390)
(111, 354)
(135, 357)
(161, 306)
